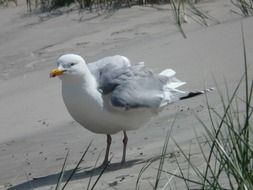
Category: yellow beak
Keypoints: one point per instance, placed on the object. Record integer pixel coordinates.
(56, 72)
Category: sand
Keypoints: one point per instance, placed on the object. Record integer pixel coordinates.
(35, 129)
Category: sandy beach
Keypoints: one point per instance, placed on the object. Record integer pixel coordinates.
(36, 131)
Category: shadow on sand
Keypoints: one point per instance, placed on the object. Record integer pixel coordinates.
(82, 173)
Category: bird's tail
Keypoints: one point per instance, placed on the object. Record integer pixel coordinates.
(196, 93)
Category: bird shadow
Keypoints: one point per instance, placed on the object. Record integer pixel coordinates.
(81, 173)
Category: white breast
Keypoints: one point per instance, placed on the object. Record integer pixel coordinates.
(86, 106)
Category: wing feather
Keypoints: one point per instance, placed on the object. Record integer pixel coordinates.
(134, 86)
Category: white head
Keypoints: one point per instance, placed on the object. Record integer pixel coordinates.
(69, 65)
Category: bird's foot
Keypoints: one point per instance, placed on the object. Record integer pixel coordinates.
(104, 164)
(123, 162)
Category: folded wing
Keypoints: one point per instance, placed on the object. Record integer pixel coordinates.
(134, 86)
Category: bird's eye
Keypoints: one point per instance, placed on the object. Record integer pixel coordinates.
(72, 64)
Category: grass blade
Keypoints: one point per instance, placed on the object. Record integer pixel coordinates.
(101, 173)
(164, 153)
(75, 169)
(95, 165)
(59, 181)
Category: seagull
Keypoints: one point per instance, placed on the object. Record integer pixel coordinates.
(111, 95)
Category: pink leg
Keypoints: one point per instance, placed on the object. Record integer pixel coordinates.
(125, 139)
(109, 141)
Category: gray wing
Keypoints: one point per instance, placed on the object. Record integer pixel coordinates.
(112, 71)
(107, 64)
(144, 91)
(112, 77)
(128, 86)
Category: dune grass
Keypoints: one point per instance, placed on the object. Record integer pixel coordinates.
(161, 159)
(179, 14)
(6, 3)
(245, 6)
(227, 154)
(187, 9)
(60, 180)
(48, 5)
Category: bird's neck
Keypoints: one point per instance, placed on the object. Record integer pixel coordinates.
(89, 81)
(83, 79)
(84, 85)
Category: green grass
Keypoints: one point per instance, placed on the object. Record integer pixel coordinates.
(60, 181)
(184, 9)
(179, 14)
(245, 6)
(227, 154)
(161, 159)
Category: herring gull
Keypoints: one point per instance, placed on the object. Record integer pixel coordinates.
(111, 95)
